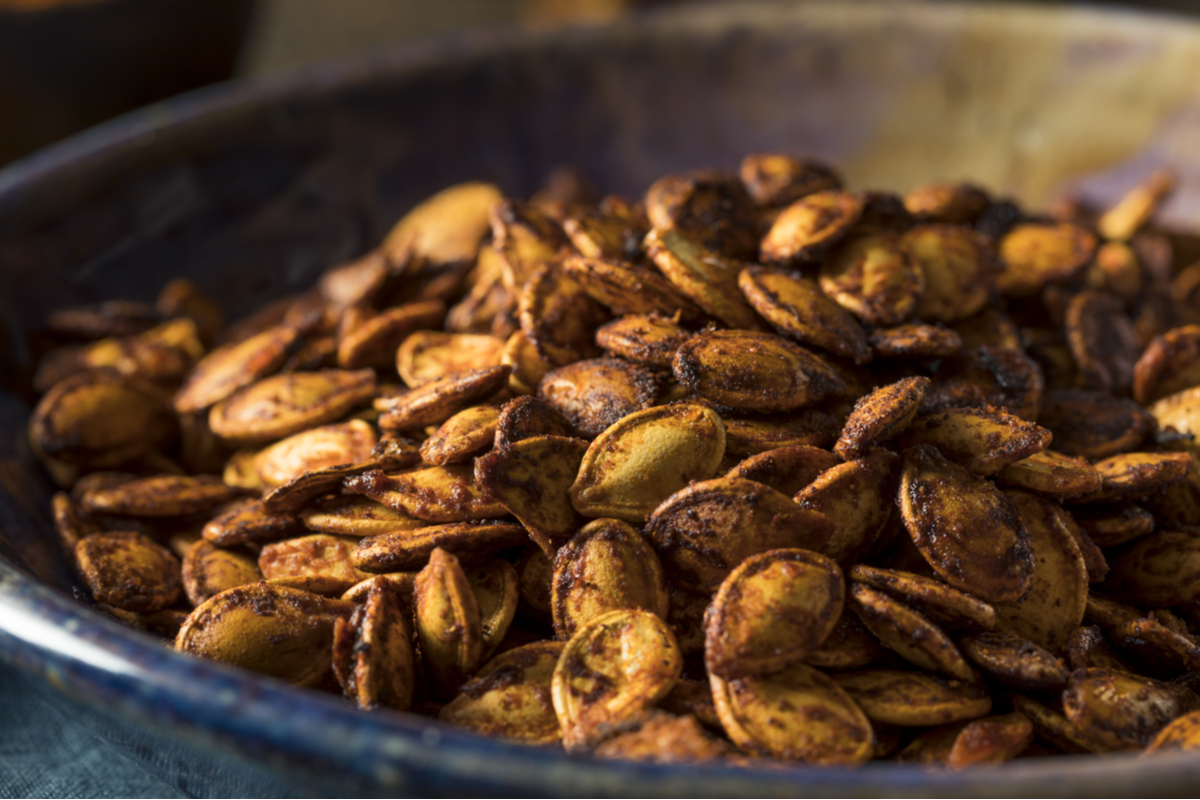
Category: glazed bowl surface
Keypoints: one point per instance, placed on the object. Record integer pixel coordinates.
(252, 189)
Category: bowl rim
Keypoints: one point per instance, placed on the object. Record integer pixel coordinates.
(87, 656)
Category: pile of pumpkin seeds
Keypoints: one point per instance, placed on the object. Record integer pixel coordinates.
(755, 467)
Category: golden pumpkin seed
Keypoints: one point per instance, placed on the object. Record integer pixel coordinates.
(390, 552)
(466, 434)
(510, 696)
(235, 366)
(701, 275)
(614, 229)
(129, 571)
(315, 449)
(389, 454)
(449, 625)
(872, 276)
(1169, 364)
(434, 494)
(994, 376)
(628, 288)
(848, 646)
(857, 498)
(209, 570)
(444, 228)
(908, 633)
(427, 356)
(1093, 424)
(1119, 711)
(648, 339)
(751, 436)
(402, 583)
(1014, 661)
(286, 404)
(945, 606)
(785, 469)
(250, 523)
(532, 480)
(915, 340)
(525, 237)
(160, 496)
(881, 415)
(1033, 254)
(775, 179)
(1109, 525)
(320, 555)
(558, 316)
(372, 339)
(913, 699)
(709, 205)
(437, 401)
(384, 666)
(797, 308)
(1052, 473)
(525, 418)
(594, 394)
(807, 228)
(1131, 475)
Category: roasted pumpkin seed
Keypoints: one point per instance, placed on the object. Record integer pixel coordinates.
(509, 697)
(210, 570)
(857, 498)
(808, 227)
(438, 400)
(595, 394)
(286, 404)
(880, 416)
(449, 625)
(407, 549)
(908, 633)
(913, 699)
(798, 309)
(434, 494)
(873, 277)
(785, 469)
(129, 571)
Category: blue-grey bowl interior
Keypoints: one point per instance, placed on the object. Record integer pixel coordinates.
(252, 189)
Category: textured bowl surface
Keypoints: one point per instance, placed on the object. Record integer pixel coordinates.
(252, 189)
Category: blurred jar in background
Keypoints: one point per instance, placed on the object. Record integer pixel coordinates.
(68, 64)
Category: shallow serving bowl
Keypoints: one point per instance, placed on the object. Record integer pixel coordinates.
(252, 189)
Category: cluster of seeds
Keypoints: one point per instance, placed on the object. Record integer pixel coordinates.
(754, 468)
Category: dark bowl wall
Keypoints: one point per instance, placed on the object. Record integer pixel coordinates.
(251, 190)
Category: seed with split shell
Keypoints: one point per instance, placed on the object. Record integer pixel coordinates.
(434, 494)
(250, 523)
(382, 660)
(227, 369)
(945, 508)
(509, 697)
(857, 497)
(611, 671)
(913, 699)
(880, 416)
(754, 371)
(99, 419)
(750, 436)
(1033, 254)
(129, 571)
(282, 405)
(772, 611)
(209, 570)
(702, 276)
(315, 449)
(1054, 604)
(872, 277)
(605, 567)
(1169, 364)
(797, 714)
(373, 341)
(594, 394)
(160, 496)
(810, 226)
(915, 340)
(1183, 734)
(648, 339)
(848, 646)
(436, 401)
(703, 532)
(449, 625)
(1162, 569)
(465, 435)
(1052, 473)
(785, 469)
(1094, 424)
(532, 479)
(628, 288)
(1102, 340)
(1120, 711)
(429, 355)
(351, 515)
(989, 740)
(444, 228)
(278, 631)
(643, 459)
(798, 309)
(947, 607)
(1015, 661)
(320, 555)
(408, 549)
(958, 267)
(1130, 475)
(496, 587)
(908, 633)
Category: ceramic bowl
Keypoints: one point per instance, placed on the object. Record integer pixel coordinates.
(251, 189)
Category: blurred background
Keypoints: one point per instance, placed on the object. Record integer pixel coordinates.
(68, 64)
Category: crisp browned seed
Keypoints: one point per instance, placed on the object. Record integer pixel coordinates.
(276, 630)
(1178, 504)
(1033, 254)
(704, 531)
(605, 567)
(1108, 613)
(372, 339)
(99, 419)
(495, 584)
(959, 270)
(486, 298)
(235, 366)
(612, 229)
(558, 315)
(427, 356)
(1102, 340)
(1159, 570)
(1015, 661)
(468, 433)
(250, 523)
(686, 618)
(945, 201)
(857, 497)
(649, 339)
(994, 376)
(777, 179)
(646, 457)
(947, 607)
(160, 496)
(1094, 424)
(1181, 735)
(872, 276)
(282, 405)
(1093, 557)
(753, 435)
(1087, 647)
(525, 237)
(772, 611)
(320, 555)
(444, 228)
(391, 552)
(915, 340)
(314, 449)
(354, 283)
(1109, 525)
(848, 646)
(129, 570)
(162, 354)
(1169, 364)
(880, 416)
(437, 401)
(525, 418)
(989, 328)
(1052, 727)
(1131, 212)
(509, 697)
(391, 453)
(798, 714)
(785, 469)
(909, 699)
(709, 206)
(628, 288)
(1052, 473)
(209, 570)
(528, 366)
(754, 371)
(1129, 476)
(988, 740)
(402, 583)
(807, 228)
(434, 494)
(798, 309)
(449, 625)
(381, 668)
(984, 440)
(946, 509)
(702, 276)
(1119, 711)
(1054, 604)
(1178, 648)
(664, 738)
(594, 394)
(613, 670)
(241, 471)
(908, 632)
